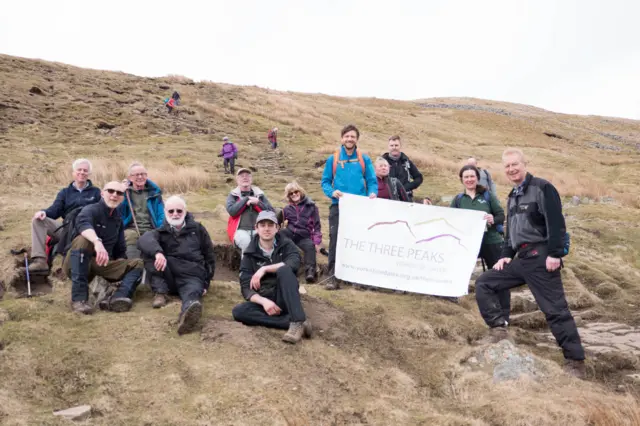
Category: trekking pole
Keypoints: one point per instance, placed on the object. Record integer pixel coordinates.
(135, 222)
(26, 264)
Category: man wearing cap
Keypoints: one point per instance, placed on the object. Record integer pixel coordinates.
(269, 283)
(243, 205)
(229, 153)
(98, 248)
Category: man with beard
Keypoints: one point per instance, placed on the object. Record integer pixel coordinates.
(98, 249)
(401, 168)
(179, 258)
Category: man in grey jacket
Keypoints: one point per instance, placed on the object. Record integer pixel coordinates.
(485, 176)
(243, 205)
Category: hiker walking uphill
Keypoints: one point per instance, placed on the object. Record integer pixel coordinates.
(303, 226)
(532, 254)
(98, 249)
(229, 153)
(485, 176)
(272, 136)
(243, 205)
(78, 194)
(147, 206)
(401, 168)
(179, 258)
(389, 187)
(269, 284)
(176, 97)
(170, 103)
(346, 171)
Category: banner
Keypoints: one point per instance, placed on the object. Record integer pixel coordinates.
(407, 246)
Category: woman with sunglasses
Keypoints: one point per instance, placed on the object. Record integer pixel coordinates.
(303, 226)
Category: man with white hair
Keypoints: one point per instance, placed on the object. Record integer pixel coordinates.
(179, 258)
(485, 176)
(147, 206)
(79, 193)
(97, 248)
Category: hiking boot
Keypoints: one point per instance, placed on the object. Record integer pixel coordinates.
(497, 334)
(189, 318)
(295, 332)
(310, 275)
(159, 300)
(575, 368)
(332, 284)
(307, 329)
(120, 304)
(38, 266)
(81, 307)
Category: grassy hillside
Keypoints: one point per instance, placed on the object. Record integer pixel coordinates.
(379, 358)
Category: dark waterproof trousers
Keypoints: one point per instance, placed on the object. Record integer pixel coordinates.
(230, 164)
(529, 266)
(306, 245)
(491, 253)
(334, 219)
(189, 288)
(287, 297)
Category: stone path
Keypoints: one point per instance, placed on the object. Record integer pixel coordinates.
(605, 337)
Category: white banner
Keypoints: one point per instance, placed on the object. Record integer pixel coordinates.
(407, 246)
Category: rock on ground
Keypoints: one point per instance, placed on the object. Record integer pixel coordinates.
(80, 412)
(508, 362)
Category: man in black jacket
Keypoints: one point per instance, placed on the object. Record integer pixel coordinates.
(98, 248)
(401, 168)
(269, 284)
(79, 193)
(179, 258)
(532, 252)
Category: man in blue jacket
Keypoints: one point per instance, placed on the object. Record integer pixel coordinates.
(148, 207)
(45, 222)
(346, 171)
(98, 248)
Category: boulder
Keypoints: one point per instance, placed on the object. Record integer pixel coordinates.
(508, 362)
(80, 412)
(575, 200)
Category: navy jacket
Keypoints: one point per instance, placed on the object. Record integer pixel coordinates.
(107, 223)
(69, 198)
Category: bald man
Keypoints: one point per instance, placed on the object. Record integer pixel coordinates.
(98, 249)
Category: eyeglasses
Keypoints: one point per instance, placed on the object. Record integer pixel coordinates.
(293, 193)
(115, 191)
(179, 211)
(138, 174)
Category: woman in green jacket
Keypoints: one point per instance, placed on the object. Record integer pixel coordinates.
(477, 197)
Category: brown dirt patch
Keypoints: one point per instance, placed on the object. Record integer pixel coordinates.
(321, 313)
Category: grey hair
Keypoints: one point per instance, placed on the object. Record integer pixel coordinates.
(135, 164)
(381, 160)
(79, 161)
(176, 199)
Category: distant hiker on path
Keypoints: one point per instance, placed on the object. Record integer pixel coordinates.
(176, 97)
(79, 193)
(180, 260)
(269, 284)
(147, 206)
(401, 168)
(273, 137)
(303, 226)
(346, 171)
(98, 249)
(170, 103)
(485, 176)
(243, 205)
(532, 254)
(477, 197)
(229, 153)
(389, 187)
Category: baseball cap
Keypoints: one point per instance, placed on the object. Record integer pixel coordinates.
(267, 215)
(243, 170)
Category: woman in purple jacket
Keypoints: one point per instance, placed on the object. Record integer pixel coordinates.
(303, 226)
(229, 152)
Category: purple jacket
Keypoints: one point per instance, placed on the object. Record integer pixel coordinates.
(304, 220)
(228, 150)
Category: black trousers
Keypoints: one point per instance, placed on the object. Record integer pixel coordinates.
(334, 219)
(491, 253)
(189, 288)
(230, 164)
(530, 267)
(305, 244)
(287, 297)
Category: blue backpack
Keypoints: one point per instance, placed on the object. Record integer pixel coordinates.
(487, 198)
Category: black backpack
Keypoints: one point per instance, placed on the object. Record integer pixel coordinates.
(67, 232)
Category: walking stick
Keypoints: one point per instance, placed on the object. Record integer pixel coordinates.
(135, 222)
(26, 264)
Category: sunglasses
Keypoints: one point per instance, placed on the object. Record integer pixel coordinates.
(293, 193)
(115, 191)
(172, 211)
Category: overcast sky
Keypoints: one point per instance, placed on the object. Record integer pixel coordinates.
(569, 56)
